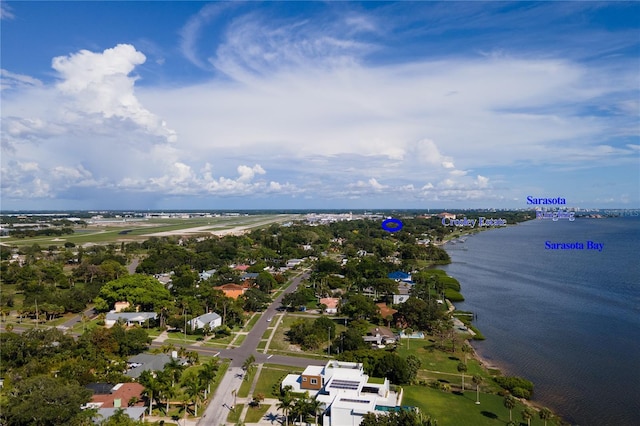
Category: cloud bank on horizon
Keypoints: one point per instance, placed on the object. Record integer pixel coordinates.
(306, 105)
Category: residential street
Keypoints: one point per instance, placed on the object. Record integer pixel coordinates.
(218, 409)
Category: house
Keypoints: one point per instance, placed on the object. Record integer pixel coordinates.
(121, 306)
(232, 290)
(445, 215)
(242, 268)
(166, 278)
(211, 319)
(143, 362)
(292, 263)
(130, 318)
(249, 276)
(400, 276)
(345, 391)
(331, 304)
(136, 413)
(106, 395)
(380, 337)
(385, 311)
(205, 275)
(404, 292)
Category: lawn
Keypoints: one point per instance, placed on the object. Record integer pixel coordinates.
(438, 360)
(234, 415)
(455, 409)
(252, 321)
(255, 414)
(137, 230)
(271, 376)
(243, 392)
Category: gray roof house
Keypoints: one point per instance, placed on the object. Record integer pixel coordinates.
(136, 413)
(143, 362)
(214, 320)
(130, 318)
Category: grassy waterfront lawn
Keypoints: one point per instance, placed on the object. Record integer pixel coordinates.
(455, 410)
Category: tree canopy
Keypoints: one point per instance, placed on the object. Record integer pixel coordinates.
(44, 401)
(141, 290)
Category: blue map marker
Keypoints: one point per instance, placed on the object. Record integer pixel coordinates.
(396, 225)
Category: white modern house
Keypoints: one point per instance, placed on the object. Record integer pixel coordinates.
(345, 391)
(212, 319)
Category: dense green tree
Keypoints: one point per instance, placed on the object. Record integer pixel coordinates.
(130, 341)
(141, 290)
(397, 418)
(254, 300)
(265, 282)
(44, 401)
(358, 306)
(350, 340)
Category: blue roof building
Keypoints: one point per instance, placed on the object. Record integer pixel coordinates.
(400, 276)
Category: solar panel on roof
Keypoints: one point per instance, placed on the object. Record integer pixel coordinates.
(344, 384)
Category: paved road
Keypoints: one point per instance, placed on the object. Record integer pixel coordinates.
(89, 313)
(218, 409)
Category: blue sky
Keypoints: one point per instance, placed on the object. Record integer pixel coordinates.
(161, 105)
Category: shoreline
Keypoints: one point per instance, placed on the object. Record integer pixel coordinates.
(497, 369)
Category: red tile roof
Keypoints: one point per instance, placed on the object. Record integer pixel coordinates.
(124, 392)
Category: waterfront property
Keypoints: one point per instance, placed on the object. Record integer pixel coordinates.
(345, 391)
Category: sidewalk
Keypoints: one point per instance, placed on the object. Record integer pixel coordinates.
(181, 422)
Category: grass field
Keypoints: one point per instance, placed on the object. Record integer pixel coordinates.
(272, 375)
(460, 409)
(234, 416)
(255, 414)
(139, 230)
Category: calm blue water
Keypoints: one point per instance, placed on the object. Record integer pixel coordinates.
(567, 320)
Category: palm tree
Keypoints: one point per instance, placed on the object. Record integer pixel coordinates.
(285, 404)
(184, 399)
(466, 350)
(509, 402)
(462, 367)
(207, 373)
(193, 391)
(169, 392)
(527, 414)
(151, 385)
(316, 408)
(545, 414)
(175, 368)
(193, 357)
(167, 348)
(408, 332)
(477, 379)
(300, 408)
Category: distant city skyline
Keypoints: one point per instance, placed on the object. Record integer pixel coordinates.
(310, 105)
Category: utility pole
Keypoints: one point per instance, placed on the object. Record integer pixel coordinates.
(329, 330)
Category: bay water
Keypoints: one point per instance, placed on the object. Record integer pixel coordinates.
(568, 320)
